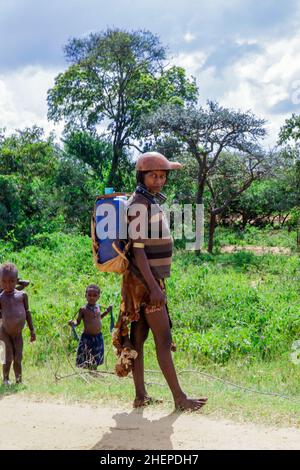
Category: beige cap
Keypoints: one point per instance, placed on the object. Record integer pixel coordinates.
(155, 161)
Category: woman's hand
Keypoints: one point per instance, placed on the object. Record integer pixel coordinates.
(157, 297)
(32, 336)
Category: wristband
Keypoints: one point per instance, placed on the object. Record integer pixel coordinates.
(138, 245)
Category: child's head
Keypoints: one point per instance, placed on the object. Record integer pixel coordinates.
(92, 293)
(8, 277)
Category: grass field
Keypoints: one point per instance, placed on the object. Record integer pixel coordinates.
(235, 317)
(254, 236)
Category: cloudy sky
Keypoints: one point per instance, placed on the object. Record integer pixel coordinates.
(243, 53)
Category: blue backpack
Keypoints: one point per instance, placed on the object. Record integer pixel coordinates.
(109, 233)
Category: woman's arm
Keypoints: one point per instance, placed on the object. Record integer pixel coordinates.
(140, 218)
(157, 297)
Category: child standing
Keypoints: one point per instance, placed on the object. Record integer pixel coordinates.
(90, 352)
(14, 313)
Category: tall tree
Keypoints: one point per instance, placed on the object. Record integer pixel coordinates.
(28, 165)
(274, 197)
(290, 131)
(113, 78)
(89, 149)
(289, 136)
(206, 132)
(234, 173)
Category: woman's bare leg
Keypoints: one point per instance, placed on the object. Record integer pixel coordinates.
(160, 327)
(18, 371)
(138, 335)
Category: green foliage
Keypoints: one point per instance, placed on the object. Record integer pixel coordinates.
(90, 149)
(10, 204)
(251, 235)
(115, 75)
(28, 163)
(75, 187)
(114, 78)
(42, 188)
(60, 266)
(207, 131)
(223, 307)
(291, 130)
(236, 305)
(265, 199)
(27, 153)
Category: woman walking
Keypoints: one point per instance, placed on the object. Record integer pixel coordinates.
(144, 301)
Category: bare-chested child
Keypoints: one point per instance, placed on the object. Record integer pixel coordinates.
(14, 313)
(90, 352)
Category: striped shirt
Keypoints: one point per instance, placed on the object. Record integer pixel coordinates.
(148, 225)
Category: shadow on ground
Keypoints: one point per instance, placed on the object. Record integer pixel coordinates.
(133, 431)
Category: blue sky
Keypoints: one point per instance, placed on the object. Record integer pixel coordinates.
(245, 54)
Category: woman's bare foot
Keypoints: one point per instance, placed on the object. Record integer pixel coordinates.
(190, 404)
(139, 402)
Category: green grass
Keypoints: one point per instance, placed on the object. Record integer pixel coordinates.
(235, 316)
(254, 236)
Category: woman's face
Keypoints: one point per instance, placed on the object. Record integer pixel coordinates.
(155, 180)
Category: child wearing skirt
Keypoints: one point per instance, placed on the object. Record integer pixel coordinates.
(90, 351)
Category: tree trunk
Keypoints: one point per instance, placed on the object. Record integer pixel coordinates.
(201, 185)
(284, 219)
(201, 179)
(244, 220)
(199, 198)
(117, 152)
(212, 226)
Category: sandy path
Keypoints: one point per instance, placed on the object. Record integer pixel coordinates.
(47, 425)
(258, 250)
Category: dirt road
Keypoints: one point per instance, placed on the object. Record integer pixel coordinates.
(50, 425)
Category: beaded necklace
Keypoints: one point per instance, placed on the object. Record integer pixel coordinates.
(93, 308)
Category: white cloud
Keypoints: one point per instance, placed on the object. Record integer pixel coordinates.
(192, 61)
(23, 95)
(189, 37)
(259, 81)
(266, 80)
(243, 41)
